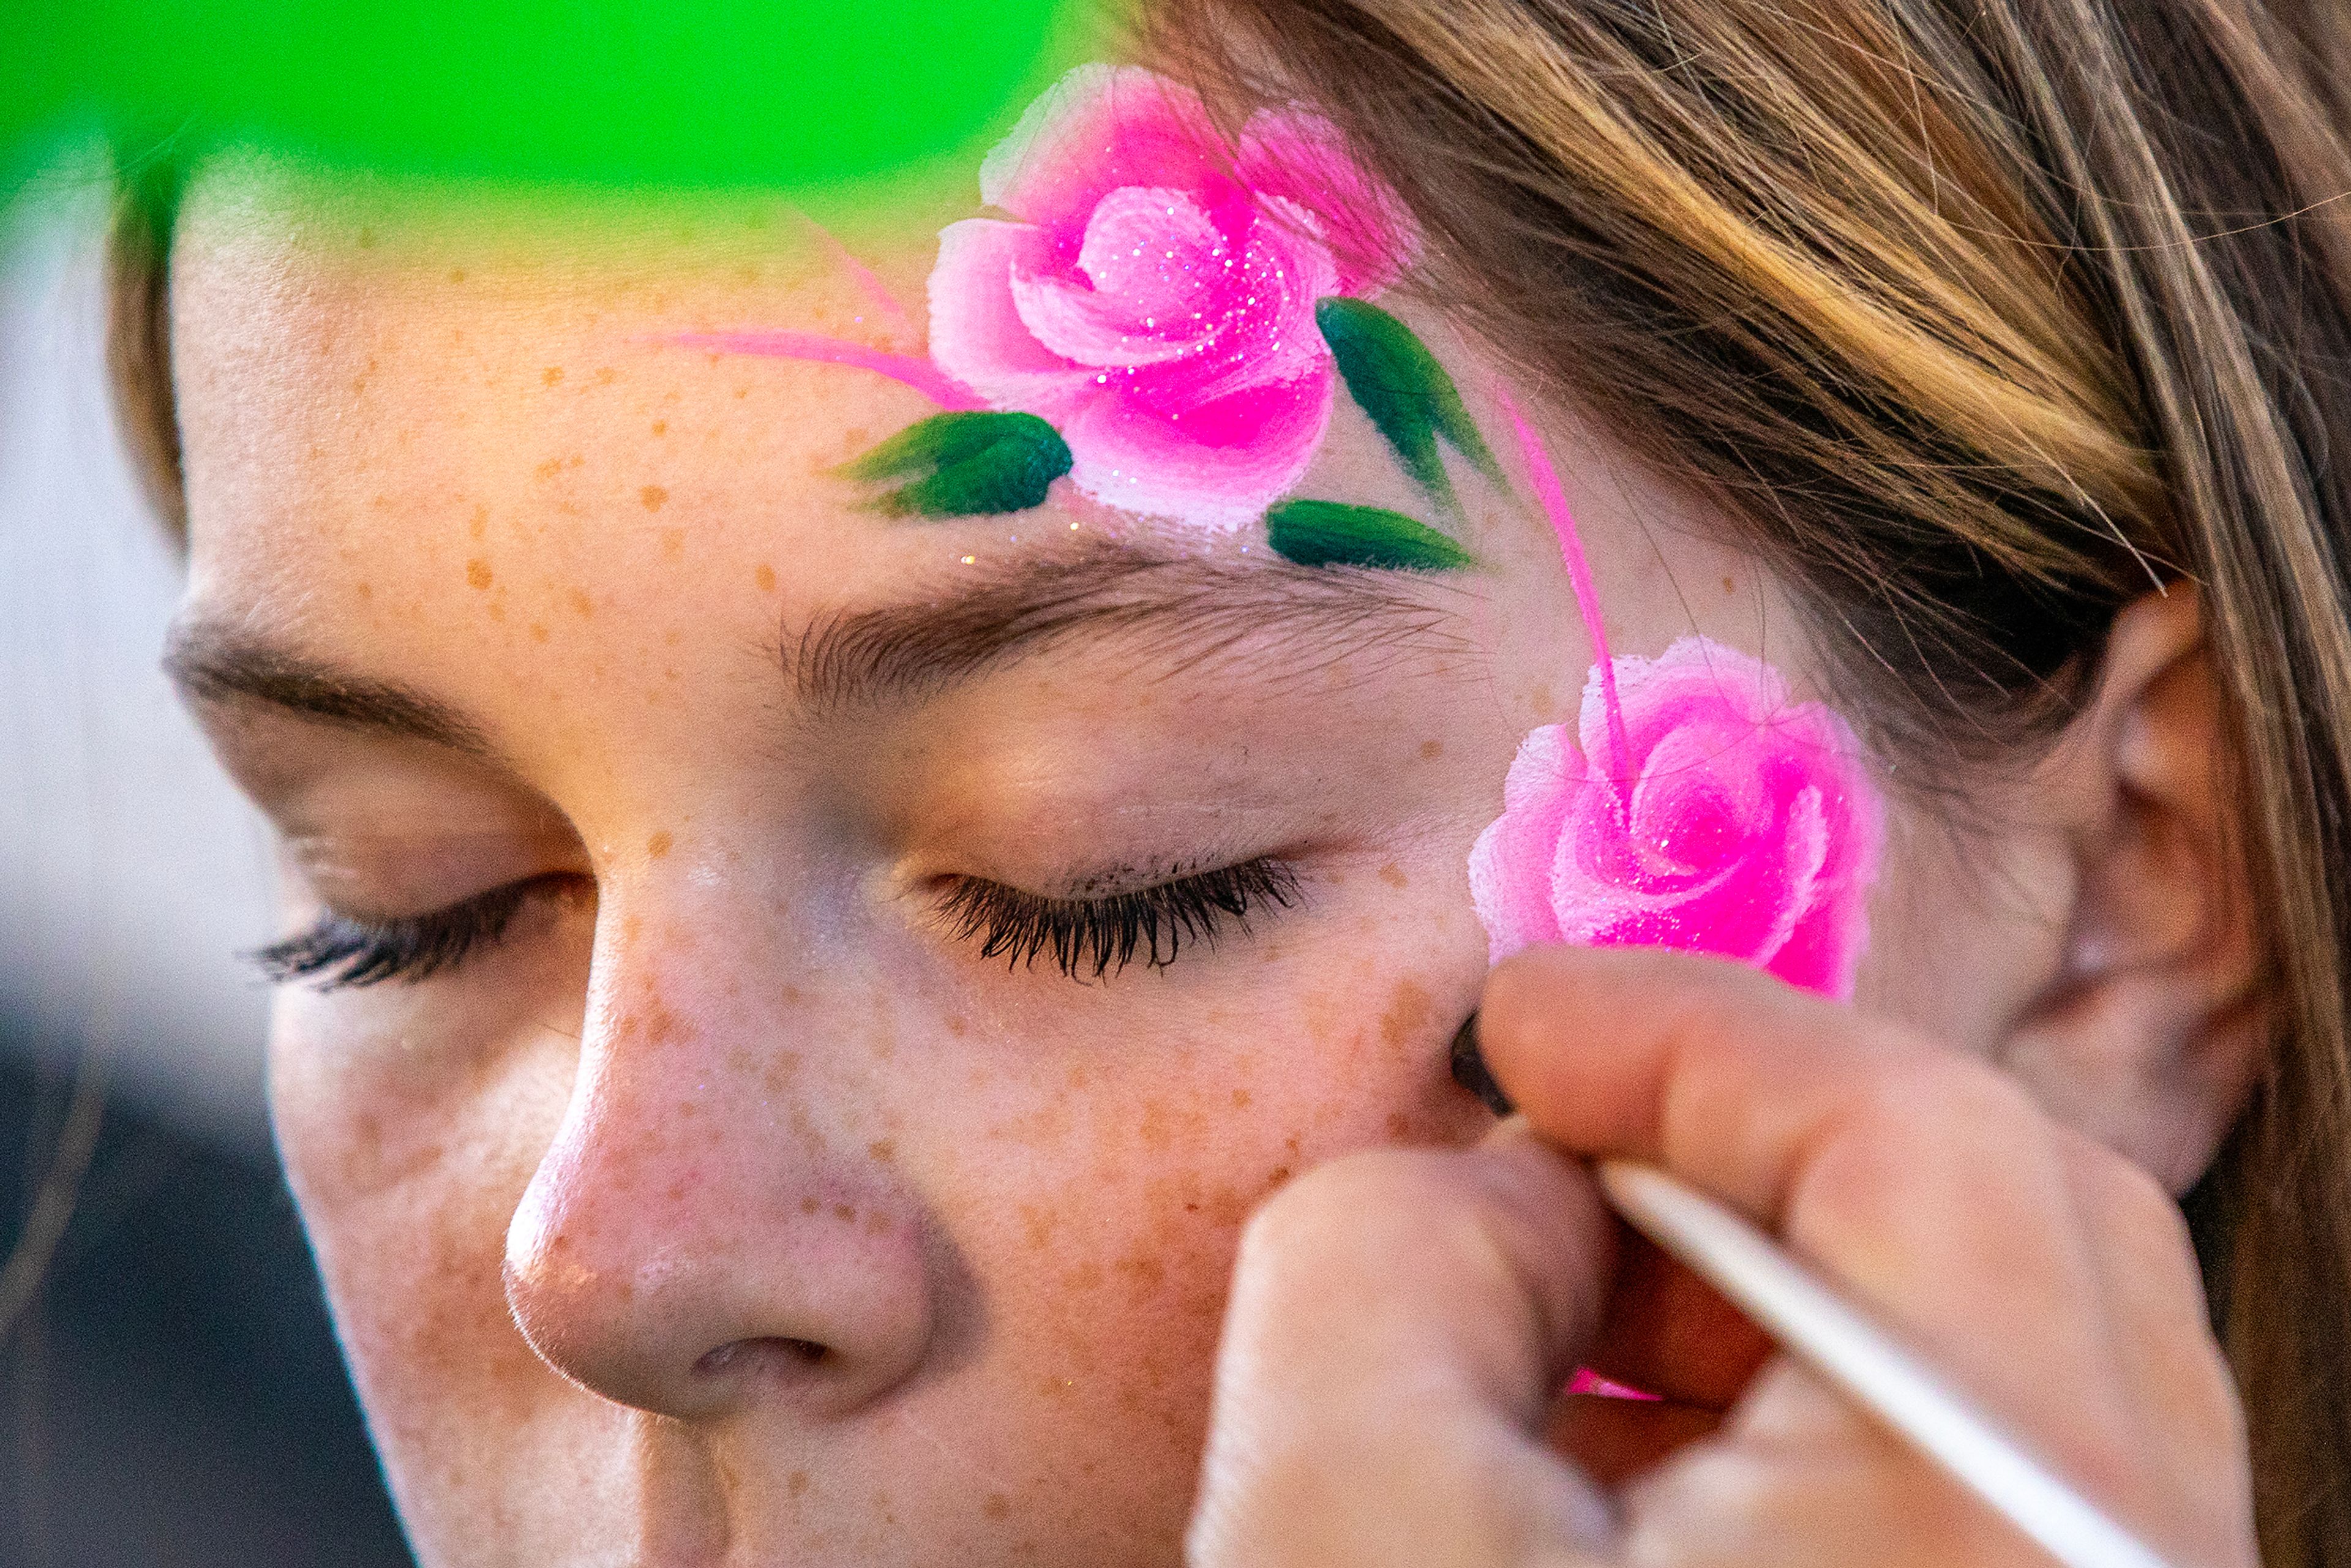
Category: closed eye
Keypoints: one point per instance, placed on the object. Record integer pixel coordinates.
(342, 951)
(1094, 938)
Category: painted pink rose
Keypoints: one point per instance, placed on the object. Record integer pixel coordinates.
(1745, 826)
(1152, 292)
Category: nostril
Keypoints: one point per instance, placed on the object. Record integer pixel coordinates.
(746, 1355)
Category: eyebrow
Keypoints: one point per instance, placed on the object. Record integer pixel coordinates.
(1271, 618)
(1275, 619)
(216, 664)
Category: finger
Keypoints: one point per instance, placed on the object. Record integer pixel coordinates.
(1398, 1320)
(1927, 1184)
(1798, 1478)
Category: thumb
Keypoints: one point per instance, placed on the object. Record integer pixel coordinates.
(1400, 1324)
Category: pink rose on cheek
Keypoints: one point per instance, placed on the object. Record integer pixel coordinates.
(1746, 827)
(1153, 294)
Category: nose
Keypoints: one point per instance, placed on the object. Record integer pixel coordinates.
(699, 1237)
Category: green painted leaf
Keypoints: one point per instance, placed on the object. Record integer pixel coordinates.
(1329, 533)
(969, 465)
(1395, 379)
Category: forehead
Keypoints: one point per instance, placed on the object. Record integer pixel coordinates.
(366, 366)
(360, 367)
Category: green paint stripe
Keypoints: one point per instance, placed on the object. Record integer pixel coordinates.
(1329, 533)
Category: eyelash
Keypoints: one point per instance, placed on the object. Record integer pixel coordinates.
(1097, 937)
(341, 952)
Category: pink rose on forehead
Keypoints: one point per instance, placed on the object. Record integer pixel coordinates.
(1152, 294)
(1745, 825)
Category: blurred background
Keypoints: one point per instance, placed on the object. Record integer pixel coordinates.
(170, 1390)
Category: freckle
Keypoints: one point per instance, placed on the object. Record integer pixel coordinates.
(1431, 751)
(498, 609)
(549, 469)
(1409, 1011)
(1154, 1130)
(480, 524)
(1393, 875)
(1729, 586)
(1039, 1224)
(997, 1505)
(574, 461)
(661, 427)
(1276, 1177)
(956, 1025)
(658, 846)
(845, 1212)
(537, 633)
(796, 1483)
(672, 542)
(632, 927)
(1240, 1099)
(365, 591)
(477, 572)
(883, 1149)
(456, 274)
(1086, 1276)
(742, 391)
(1055, 1387)
(652, 496)
(687, 1111)
(809, 1205)
(1143, 1270)
(1078, 1078)
(579, 601)
(765, 578)
(367, 239)
(1540, 701)
(552, 375)
(606, 375)
(662, 1026)
(676, 1191)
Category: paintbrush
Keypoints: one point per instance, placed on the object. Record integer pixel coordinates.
(1841, 1345)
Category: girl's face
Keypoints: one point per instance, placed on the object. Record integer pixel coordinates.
(772, 1160)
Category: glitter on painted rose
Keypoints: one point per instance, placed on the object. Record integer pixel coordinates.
(1152, 291)
(1703, 809)
(1732, 821)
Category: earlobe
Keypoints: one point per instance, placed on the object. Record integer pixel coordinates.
(2150, 1037)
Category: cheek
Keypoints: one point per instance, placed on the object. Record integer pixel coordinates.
(407, 1157)
(1102, 1218)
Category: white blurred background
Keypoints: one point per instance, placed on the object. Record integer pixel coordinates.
(131, 874)
(170, 1393)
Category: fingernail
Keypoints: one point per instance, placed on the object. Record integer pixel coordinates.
(1469, 1069)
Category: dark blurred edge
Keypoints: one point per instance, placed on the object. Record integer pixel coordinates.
(175, 1398)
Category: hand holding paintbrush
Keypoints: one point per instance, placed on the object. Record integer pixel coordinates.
(1401, 1320)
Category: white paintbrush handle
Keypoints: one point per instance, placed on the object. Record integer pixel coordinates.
(1877, 1374)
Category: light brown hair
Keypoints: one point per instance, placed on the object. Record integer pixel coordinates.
(1982, 319)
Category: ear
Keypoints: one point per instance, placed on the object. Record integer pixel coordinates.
(2150, 1037)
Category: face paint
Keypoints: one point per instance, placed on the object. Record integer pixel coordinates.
(1696, 807)
(1164, 320)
